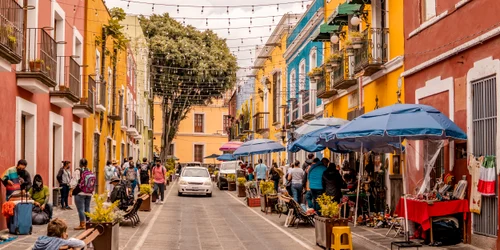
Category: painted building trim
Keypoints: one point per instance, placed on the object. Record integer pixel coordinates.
(465, 46)
(24, 107)
(77, 151)
(428, 23)
(55, 120)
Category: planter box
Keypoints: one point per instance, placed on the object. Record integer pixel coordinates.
(241, 191)
(108, 238)
(323, 230)
(231, 186)
(146, 204)
(266, 203)
(253, 202)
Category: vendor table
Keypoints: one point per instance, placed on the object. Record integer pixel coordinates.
(422, 212)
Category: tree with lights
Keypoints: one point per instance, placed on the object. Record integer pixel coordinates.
(188, 67)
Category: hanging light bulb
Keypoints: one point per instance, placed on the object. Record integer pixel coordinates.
(177, 9)
(355, 20)
(228, 32)
(253, 9)
(242, 40)
(273, 19)
(334, 39)
(278, 7)
(153, 8)
(227, 10)
(250, 20)
(202, 7)
(302, 4)
(74, 7)
(249, 30)
(184, 21)
(238, 48)
(261, 40)
(229, 21)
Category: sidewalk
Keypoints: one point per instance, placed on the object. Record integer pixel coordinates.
(363, 237)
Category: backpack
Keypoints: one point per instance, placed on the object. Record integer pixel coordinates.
(87, 181)
(131, 174)
(109, 172)
(144, 171)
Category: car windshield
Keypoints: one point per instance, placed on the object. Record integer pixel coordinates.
(195, 173)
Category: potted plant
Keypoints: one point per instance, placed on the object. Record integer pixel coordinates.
(107, 221)
(334, 59)
(167, 177)
(316, 73)
(231, 182)
(266, 188)
(253, 199)
(330, 217)
(348, 48)
(241, 186)
(356, 39)
(36, 65)
(63, 88)
(145, 190)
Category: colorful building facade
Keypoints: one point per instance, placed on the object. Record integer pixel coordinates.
(452, 63)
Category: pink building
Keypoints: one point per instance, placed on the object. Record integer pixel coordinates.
(41, 52)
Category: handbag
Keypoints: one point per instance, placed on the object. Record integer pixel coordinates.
(39, 217)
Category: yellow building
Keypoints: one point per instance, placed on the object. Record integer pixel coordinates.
(269, 101)
(200, 134)
(105, 134)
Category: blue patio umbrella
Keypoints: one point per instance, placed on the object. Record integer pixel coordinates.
(396, 123)
(226, 157)
(258, 146)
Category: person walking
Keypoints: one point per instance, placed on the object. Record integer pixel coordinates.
(64, 179)
(315, 178)
(126, 164)
(132, 175)
(332, 182)
(144, 171)
(40, 194)
(274, 173)
(308, 162)
(158, 173)
(17, 180)
(261, 171)
(295, 176)
(82, 187)
(109, 172)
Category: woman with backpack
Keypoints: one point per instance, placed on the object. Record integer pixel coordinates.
(159, 180)
(82, 187)
(109, 173)
(64, 179)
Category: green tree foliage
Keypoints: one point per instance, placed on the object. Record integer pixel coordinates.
(188, 67)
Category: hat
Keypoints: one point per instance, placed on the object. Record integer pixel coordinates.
(114, 162)
(114, 179)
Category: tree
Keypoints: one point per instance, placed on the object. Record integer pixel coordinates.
(188, 67)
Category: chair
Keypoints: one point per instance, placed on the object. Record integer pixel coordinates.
(300, 214)
(342, 238)
(397, 225)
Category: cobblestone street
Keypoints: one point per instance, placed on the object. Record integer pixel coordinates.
(222, 222)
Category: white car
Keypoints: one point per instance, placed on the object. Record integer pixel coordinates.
(195, 180)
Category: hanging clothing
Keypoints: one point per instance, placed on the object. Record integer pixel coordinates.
(474, 167)
(487, 177)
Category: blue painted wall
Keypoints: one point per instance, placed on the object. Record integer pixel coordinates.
(306, 17)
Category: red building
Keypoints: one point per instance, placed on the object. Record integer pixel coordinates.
(452, 62)
(41, 50)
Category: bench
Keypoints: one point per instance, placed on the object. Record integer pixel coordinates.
(131, 213)
(298, 213)
(87, 236)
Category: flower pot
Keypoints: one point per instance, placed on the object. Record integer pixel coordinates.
(323, 229)
(108, 238)
(350, 51)
(241, 191)
(317, 77)
(35, 66)
(328, 70)
(146, 204)
(253, 202)
(334, 64)
(231, 186)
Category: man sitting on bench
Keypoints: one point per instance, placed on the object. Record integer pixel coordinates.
(57, 237)
(119, 193)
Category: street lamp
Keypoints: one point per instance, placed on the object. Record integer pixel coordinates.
(334, 39)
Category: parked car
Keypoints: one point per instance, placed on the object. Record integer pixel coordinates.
(227, 167)
(195, 180)
(193, 164)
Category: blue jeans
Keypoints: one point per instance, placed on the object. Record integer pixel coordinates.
(82, 205)
(133, 184)
(315, 194)
(309, 199)
(297, 191)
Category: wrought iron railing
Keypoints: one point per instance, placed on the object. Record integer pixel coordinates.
(373, 50)
(89, 99)
(320, 87)
(11, 27)
(305, 103)
(260, 121)
(40, 54)
(68, 77)
(74, 77)
(102, 93)
(341, 72)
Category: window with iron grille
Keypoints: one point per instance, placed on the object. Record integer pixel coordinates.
(225, 125)
(276, 96)
(198, 153)
(484, 130)
(198, 123)
(305, 102)
(295, 112)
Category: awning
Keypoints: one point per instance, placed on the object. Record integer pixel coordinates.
(324, 32)
(340, 15)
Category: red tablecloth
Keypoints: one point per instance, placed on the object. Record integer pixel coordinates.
(420, 212)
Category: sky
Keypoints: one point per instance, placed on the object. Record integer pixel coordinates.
(242, 42)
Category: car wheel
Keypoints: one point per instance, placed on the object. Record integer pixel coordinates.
(209, 195)
(179, 194)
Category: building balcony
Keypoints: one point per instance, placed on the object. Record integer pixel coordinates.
(68, 92)
(38, 71)
(261, 122)
(86, 106)
(373, 52)
(342, 78)
(132, 125)
(324, 90)
(307, 112)
(11, 34)
(101, 96)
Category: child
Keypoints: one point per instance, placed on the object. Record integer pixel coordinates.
(57, 237)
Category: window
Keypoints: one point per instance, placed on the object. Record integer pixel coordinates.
(198, 123)
(198, 153)
(225, 125)
(97, 67)
(293, 82)
(313, 60)
(302, 75)
(276, 96)
(427, 10)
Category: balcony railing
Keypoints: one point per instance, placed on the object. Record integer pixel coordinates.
(306, 104)
(373, 53)
(90, 93)
(341, 76)
(40, 57)
(68, 78)
(102, 93)
(323, 88)
(11, 30)
(261, 122)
